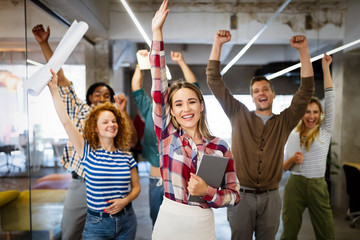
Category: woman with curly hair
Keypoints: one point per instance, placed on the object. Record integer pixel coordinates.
(109, 169)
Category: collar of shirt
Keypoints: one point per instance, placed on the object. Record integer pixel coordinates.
(193, 151)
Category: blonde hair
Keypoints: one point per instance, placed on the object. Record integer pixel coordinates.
(312, 133)
(121, 140)
(202, 126)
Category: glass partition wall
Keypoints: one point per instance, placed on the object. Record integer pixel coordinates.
(14, 129)
(33, 182)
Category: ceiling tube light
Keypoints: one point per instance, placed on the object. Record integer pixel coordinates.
(141, 30)
(34, 62)
(248, 45)
(293, 67)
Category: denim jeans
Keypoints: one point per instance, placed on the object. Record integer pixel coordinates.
(156, 194)
(121, 227)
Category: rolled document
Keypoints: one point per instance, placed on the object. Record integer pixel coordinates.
(38, 81)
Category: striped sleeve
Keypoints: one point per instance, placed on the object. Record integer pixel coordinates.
(132, 162)
(86, 150)
(329, 110)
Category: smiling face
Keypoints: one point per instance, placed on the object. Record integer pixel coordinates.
(186, 108)
(311, 116)
(263, 97)
(107, 126)
(100, 95)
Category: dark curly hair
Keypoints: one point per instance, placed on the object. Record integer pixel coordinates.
(121, 140)
(92, 88)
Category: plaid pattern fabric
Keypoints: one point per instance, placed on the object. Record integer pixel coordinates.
(179, 155)
(77, 111)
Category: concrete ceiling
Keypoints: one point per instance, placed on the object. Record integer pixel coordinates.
(192, 24)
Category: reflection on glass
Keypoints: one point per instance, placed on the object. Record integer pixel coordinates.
(33, 182)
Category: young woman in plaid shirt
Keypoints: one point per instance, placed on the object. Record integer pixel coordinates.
(180, 126)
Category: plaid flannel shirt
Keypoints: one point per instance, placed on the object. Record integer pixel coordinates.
(179, 155)
(77, 111)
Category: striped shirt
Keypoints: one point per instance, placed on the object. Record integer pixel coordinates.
(314, 164)
(107, 176)
(77, 111)
(178, 152)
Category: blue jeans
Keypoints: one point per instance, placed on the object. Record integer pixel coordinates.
(121, 227)
(156, 194)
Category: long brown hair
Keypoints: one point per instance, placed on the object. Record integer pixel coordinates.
(314, 132)
(202, 124)
(121, 140)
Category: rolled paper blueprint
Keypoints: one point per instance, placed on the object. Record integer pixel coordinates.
(38, 81)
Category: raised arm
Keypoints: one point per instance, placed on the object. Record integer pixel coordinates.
(42, 38)
(179, 59)
(159, 86)
(137, 79)
(221, 37)
(214, 78)
(158, 21)
(325, 63)
(300, 43)
(75, 136)
(121, 102)
(306, 90)
(329, 103)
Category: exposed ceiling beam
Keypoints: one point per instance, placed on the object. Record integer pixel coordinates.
(57, 16)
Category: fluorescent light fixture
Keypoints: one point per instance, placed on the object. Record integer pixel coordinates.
(293, 67)
(34, 62)
(142, 32)
(248, 45)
